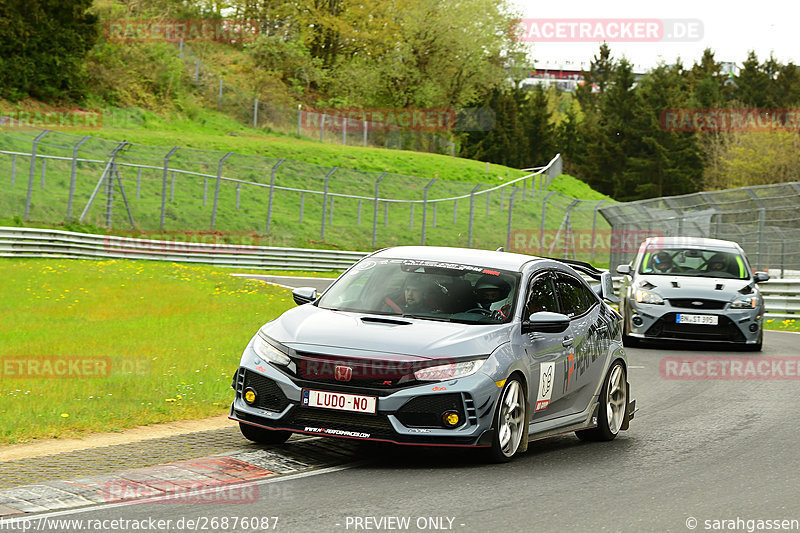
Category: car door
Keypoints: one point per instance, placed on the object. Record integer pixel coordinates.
(583, 343)
(544, 351)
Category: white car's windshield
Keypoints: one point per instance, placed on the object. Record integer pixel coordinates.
(694, 262)
(425, 289)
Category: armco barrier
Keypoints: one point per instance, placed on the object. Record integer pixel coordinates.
(46, 243)
(782, 296)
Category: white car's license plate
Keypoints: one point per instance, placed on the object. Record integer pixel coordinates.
(339, 401)
(707, 320)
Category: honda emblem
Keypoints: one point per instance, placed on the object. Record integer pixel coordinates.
(343, 373)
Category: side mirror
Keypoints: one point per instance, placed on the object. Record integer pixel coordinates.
(304, 295)
(607, 286)
(624, 269)
(545, 322)
(761, 276)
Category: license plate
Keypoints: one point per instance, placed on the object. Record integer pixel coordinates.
(707, 320)
(339, 401)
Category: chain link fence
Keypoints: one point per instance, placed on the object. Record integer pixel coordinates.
(54, 177)
(762, 219)
(246, 108)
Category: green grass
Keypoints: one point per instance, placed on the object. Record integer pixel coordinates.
(173, 335)
(781, 324)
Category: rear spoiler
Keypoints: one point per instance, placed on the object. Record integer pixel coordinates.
(606, 288)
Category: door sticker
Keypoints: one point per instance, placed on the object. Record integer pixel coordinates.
(546, 375)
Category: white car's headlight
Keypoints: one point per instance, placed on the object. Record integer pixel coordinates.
(646, 297)
(268, 352)
(746, 302)
(449, 371)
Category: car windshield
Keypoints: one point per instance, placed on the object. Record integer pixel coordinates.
(694, 262)
(428, 290)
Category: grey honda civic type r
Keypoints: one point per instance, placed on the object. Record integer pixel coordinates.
(441, 347)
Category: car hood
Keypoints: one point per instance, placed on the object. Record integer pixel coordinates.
(311, 329)
(694, 287)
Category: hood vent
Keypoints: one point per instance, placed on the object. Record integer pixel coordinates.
(719, 287)
(389, 321)
(675, 285)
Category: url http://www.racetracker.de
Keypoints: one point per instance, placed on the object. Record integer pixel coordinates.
(201, 523)
(750, 525)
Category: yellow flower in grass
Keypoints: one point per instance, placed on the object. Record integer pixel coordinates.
(64, 415)
(170, 400)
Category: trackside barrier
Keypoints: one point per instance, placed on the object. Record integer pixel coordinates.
(782, 296)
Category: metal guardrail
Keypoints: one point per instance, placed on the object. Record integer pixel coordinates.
(782, 296)
(46, 243)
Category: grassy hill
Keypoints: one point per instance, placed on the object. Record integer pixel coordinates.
(186, 211)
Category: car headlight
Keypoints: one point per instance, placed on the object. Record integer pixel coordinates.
(646, 297)
(746, 302)
(268, 352)
(449, 371)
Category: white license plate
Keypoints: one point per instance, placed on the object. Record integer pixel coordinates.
(339, 401)
(707, 320)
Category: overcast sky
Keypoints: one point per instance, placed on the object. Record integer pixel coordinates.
(730, 28)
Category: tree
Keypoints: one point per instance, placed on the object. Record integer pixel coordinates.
(43, 45)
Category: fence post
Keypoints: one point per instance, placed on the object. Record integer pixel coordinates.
(238, 194)
(255, 113)
(424, 208)
(594, 227)
(322, 128)
(299, 117)
(375, 209)
(365, 133)
(358, 223)
(544, 212)
(73, 175)
(510, 211)
(219, 98)
(112, 169)
(762, 212)
(344, 131)
(13, 169)
(138, 183)
(272, 194)
(216, 191)
(33, 168)
(435, 205)
(164, 186)
(472, 212)
(325, 200)
(180, 49)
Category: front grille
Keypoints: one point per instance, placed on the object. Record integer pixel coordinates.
(426, 411)
(268, 395)
(689, 303)
(372, 374)
(725, 330)
(327, 419)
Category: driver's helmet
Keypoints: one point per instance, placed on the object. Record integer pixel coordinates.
(662, 261)
(717, 263)
(490, 289)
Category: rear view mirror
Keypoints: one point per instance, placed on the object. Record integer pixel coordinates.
(761, 276)
(545, 322)
(607, 286)
(624, 269)
(304, 295)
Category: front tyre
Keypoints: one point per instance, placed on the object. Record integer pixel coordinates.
(613, 406)
(262, 435)
(509, 422)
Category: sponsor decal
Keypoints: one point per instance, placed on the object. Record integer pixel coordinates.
(338, 432)
(261, 368)
(438, 388)
(546, 374)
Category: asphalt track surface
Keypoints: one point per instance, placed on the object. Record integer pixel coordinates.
(698, 451)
